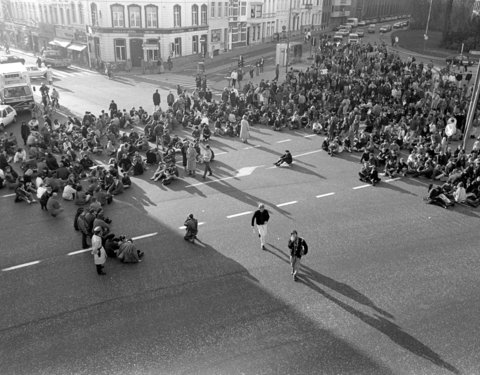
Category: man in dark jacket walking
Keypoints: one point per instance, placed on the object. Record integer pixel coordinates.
(156, 100)
(261, 217)
(298, 248)
(25, 131)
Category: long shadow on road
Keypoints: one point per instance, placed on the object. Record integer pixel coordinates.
(314, 279)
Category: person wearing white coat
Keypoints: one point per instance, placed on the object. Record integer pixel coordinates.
(244, 129)
(98, 252)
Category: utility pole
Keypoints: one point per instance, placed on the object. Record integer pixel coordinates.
(288, 37)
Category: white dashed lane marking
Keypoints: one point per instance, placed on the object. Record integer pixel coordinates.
(393, 179)
(361, 187)
(7, 195)
(239, 214)
(307, 153)
(285, 140)
(21, 266)
(324, 195)
(286, 203)
(183, 226)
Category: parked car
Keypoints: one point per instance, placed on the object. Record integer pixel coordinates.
(7, 59)
(397, 25)
(35, 72)
(372, 28)
(338, 38)
(385, 29)
(460, 60)
(343, 32)
(361, 23)
(7, 115)
(353, 38)
(360, 33)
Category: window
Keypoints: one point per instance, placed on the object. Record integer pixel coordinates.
(220, 9)
(67, 11)
(258, 11)
(118, 16)
(177, 16)
(152, 55)
(212, 9)
(195, 15)
(94, 14)
(204, 14)
(177, 47)
(134, 16)
(243, 8)
(62, 16)
(80, 14)
(216, 35)
(151, 16)
(195, 44)
(120, 49)
(74, 13)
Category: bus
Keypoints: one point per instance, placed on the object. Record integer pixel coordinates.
(352, 21)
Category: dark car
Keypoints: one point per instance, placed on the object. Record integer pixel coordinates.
(460, 60)
(11, 59)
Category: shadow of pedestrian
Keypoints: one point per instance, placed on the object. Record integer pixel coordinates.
(383, 325)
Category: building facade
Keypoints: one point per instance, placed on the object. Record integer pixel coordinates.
(38, 24)
(300, 16)
(378, 9)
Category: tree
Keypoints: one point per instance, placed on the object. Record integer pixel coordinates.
(447, 19)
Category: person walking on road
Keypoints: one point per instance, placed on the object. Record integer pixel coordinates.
(277, 72)
(261, 217)
(98, 251)
(25, 131)
(191, 160)
(156, 100)
(244, 129)
(207, 157)
(298, 248)
(49, 75)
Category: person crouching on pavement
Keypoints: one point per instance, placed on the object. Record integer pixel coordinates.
(128, 252)
(98, 251)
(298, 248)
(191, 226)
(285, 159)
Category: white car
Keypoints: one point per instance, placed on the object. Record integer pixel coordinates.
(35, 72)
(7, 115)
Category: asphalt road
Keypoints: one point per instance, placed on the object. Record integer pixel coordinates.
(390, 285)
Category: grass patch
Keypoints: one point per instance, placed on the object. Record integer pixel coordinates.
(413, 41)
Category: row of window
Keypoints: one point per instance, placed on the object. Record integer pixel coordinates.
(65, 14)
(199, 16)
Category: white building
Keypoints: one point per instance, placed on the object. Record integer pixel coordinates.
(305, 15)
(139, 30)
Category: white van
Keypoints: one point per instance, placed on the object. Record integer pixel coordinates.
(338, 38)
(353, 38)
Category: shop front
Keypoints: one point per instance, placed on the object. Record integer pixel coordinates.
(41, 36)
(77, 45)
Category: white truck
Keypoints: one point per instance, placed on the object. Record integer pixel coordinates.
(15, 87)
(353, 22)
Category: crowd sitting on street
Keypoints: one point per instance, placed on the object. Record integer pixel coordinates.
(361, 98)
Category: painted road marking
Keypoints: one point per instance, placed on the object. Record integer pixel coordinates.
(242, 172)
(250, 147)
(21, 266)
(220, 153)
(8, 195)
(393, 179)
(324, 195)
(239, 214)
(184, 227)
(133, 238)
(307, 153)
(286, 203)
(285, 140)
(361, 186)
(309, 136)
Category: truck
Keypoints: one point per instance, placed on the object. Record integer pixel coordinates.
(15, 87)
(56, 59)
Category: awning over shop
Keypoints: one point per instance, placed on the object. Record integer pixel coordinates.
(77, 47)
(64, 43)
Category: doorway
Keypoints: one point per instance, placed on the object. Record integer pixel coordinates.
(136, 52)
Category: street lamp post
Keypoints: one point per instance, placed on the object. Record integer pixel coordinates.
(425, 37)
(287, 51)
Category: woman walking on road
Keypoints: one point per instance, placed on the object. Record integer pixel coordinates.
(191, 160)
(244, 129)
